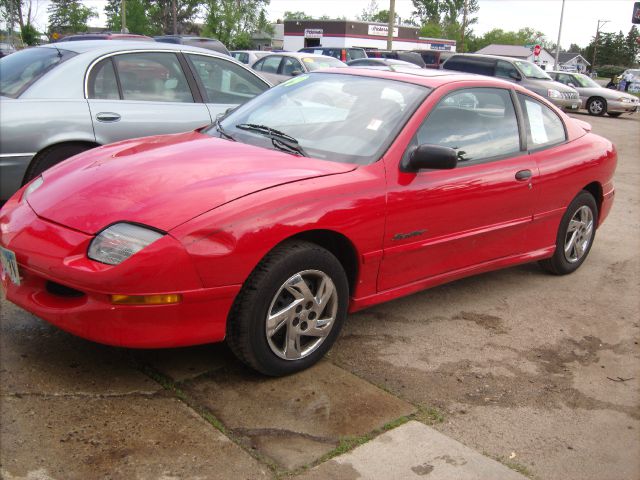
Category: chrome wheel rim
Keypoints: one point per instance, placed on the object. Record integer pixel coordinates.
(301, 314)
(579, 234)
(596, 106)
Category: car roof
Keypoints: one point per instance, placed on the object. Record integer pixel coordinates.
(299, 55)
(488, 57)
(101, 47)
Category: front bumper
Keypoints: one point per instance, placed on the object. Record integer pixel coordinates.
(617, 106)
(62, 286)
(566, 103)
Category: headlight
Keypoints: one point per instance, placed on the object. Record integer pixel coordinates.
(118, 242)
(551, 93)
(625, 100)
(33, 186)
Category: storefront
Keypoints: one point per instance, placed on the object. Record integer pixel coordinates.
(347, 33)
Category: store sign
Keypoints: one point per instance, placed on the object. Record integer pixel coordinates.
(382, 30)
(313, 33)
(439, 46)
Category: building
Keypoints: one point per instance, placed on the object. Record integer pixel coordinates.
(267, 40)
(352, 33)
(544, 60)
(572, 62)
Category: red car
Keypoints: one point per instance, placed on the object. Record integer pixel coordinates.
(330, 193)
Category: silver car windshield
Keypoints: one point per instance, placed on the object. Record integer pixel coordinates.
(585, 81)
(343, 118)
(531, 70)
(19, 70)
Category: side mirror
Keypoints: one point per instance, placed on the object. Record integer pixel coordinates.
(297, 72)
(429, 156)
(515, 75)
(571, 84)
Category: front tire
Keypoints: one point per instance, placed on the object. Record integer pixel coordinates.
(597, 106)
(575, 235)
(290, 310)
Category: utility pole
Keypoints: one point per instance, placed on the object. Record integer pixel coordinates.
(555, 65)
(123, 17)
(595, 44)
(392, 17)
(464, 24)
(175, 17)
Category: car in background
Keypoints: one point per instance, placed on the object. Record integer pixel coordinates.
(382, 63)
(193, 41)
(249, 57)
(278, 67)
(58, 100)
(342, 54)
(6, 49)
(596, 99)
(433, 58)
(410, 57)
(105, 36)
(323, 196)
(522, 72)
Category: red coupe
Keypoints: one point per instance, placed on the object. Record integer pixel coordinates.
(330, 193)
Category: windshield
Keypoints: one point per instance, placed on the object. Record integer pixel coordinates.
(314, 63)
(530, 70)
(343, 118)
(19, 70)
(585, 81)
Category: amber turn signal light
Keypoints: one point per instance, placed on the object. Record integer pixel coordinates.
(146, 299)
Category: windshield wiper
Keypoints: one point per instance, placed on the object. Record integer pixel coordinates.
(279, 139)
(221, 130)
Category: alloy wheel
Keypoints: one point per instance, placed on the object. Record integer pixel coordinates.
(579, 234)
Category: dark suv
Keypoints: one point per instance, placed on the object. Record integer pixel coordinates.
(344, 54)
(518, 71)
(202, 42)
(410, 57)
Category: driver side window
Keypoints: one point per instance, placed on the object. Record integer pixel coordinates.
(506, 70)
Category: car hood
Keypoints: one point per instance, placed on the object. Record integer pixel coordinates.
(164, 181)
(544, 85)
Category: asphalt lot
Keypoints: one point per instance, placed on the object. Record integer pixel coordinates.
(539, 372)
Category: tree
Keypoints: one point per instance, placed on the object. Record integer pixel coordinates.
(428, 11)
(574, 48)
(233, 21)
(369, 12)
(22, 13)
(296, 16)
(137, 17)
(160, 15)
(69, 16)
(447, 18)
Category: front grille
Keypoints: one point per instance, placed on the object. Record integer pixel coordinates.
(62, 290)
(570, 95)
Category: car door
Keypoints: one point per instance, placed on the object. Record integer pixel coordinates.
(269, 67)
(224, 84)
(143, 93)
(443, 221)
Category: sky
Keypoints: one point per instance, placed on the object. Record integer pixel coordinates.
(579, 24)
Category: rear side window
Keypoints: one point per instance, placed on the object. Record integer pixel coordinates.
(20, 70)
(479, 123)
(268, 64)
(354, 53)
(152, 77)
(544, 127)
(102, 82)
(470, 65)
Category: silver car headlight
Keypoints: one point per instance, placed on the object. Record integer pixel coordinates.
(115, 244)
(551, 93)
(33, 186)
(625, 100)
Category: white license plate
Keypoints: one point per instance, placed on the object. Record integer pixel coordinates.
(574, 106)
(10, 265)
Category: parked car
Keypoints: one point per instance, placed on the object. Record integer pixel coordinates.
(411, 57)
(433, 58)
(278, 67)
(105, 36)
(269, 226)
(202, 42)
(249, 57)
(596, 99)
(6, 49)
(382, 63)
(513, 70)
(58, 100)
(342, 54)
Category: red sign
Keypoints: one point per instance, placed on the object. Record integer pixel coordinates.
(536, 50)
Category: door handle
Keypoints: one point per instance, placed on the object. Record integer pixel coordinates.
(108, 117)
(523, 175)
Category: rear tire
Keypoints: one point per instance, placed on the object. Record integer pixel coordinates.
(575, 235)
(597, 106)
(290, 310)
(51, 156)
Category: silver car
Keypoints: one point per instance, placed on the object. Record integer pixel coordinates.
(58, 100)
(249, 57)
(278, 67)
(596, 99)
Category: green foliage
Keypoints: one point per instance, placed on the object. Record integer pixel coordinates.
(614, 49)
(369, 12)
(137, 17)
(29, 35)
(296, 16)
(233, 21)
(608, 71)
(69, 16)
(450, 19)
